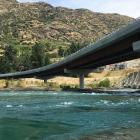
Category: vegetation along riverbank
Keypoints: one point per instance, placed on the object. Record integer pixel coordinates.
(96, 81)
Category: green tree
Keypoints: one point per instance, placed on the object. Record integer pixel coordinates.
(61, 51)
(75, 46)
(24, 58)
(38, 56)
(9, 59)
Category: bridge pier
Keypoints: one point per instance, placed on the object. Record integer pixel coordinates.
(81, 81)
(45, 81)
(81, 74)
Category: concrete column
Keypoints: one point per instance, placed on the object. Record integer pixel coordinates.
(45, 81)
(81, 81)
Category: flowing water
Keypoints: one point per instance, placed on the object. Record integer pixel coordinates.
(40, 115)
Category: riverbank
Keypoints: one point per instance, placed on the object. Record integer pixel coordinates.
(108, 79)
(105, 82)
(125, 91)
(105, 90)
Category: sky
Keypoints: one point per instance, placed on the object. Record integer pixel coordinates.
(125, 7)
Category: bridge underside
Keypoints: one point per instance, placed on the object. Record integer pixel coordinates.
(119, 52)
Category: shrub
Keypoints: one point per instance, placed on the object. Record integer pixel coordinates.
(94, 86)
(104, 83)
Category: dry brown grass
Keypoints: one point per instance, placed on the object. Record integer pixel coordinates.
(114, 77)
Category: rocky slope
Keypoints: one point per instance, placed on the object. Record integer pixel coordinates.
(132, 80)
(30, 22)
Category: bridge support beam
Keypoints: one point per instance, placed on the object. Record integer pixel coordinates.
(81, 81)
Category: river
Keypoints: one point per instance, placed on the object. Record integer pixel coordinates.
(42, 115)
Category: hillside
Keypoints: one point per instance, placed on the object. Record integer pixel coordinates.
(30, 22)
(24, 24)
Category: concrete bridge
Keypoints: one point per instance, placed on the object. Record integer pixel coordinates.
(122, 45)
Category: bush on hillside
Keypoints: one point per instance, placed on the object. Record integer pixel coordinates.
(104, 83)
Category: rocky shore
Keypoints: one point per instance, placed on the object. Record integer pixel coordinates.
(106, 90)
